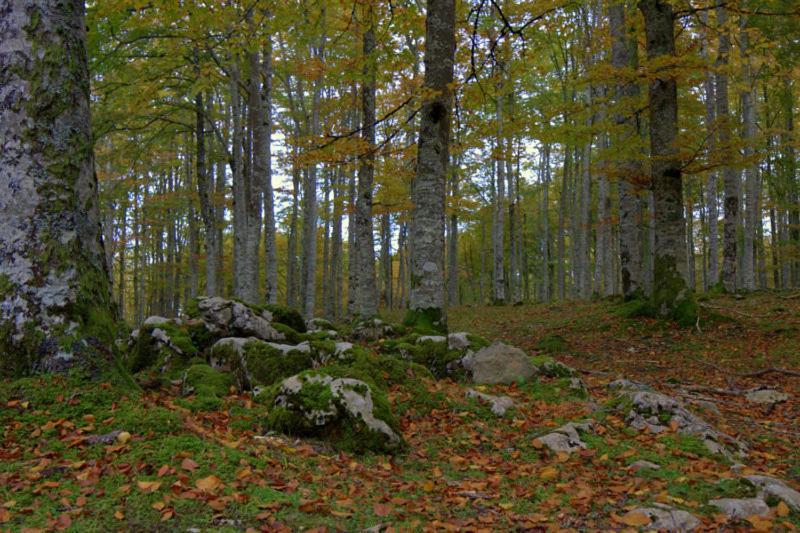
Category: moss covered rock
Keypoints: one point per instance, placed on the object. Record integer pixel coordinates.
(205, 387)
(230, 318)
(162, 346)
(549, 367)
(348, 412)
(287, 316)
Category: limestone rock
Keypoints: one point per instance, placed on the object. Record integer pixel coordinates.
(657, 412)
(628, 385)
(155, 320)
(431, 338)
(499, 404)
(741, 507)
(666, 518)
(228, 318)
(641, 464)
(318, 404)
(770, 486)
(566, 438)
(767, 396)
(371, 330)
(458, 341)
(499, 363)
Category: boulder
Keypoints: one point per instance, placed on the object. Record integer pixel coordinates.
(566, 439)
(498, 404)
(346, 410)
(431, 338)
(228, 318)
(155, 320)
(252, 362)
(770, 486)
(161, 347)
(665, 518)
(740, 507)
(499, 363)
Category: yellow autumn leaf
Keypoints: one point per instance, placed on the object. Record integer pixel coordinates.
(635, 519)
(209, 483)
(548, 473)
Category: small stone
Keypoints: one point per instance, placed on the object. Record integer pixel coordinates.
(431, 338)
(768, 396)
(458, 341)
(499, 404)
(741, 507)
(566, 438)
(666, 518)
(644, 465)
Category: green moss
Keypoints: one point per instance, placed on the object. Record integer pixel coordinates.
(430, 321)
(291, 336)
(477, 342)
(343, 430)
(552, 343)
(287, 316)
(268, 365)
(208, 387)
(147, 352)
(549, 367)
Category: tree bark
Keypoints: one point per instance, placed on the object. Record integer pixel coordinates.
(365, 245)
(671, 296)
(752, 217)
(730, 175)
(54, 283)
(270, 231)
(426, 236)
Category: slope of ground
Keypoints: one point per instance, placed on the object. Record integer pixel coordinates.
(66, 466)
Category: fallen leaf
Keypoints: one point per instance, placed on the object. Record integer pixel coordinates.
(547, 473)
(188, 464)
(208, 484)
(148, 486)
(635, 519)
(782, 510)
(381, 509)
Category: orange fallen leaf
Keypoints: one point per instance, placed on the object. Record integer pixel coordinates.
(148, 486)
(634, 518)
(189, 464)
(381, 509)
(209, 483)
(782, 510)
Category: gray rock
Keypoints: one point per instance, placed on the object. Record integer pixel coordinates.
(577, 384)
(666, 518)
(566, 438)
(499, 363)
(628, 385)
(372, 329)
(768, 396)
(227, 355)
(770, 486)
(155, 320)
(228, 318)
(641, 464)
(319, 324)
(499, 404)
(656, 412)
(740, 507)
(431, 338)
(342, 348)
(458, 341)
(352, 396)
(304, 347)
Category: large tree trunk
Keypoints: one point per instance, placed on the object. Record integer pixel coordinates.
(709, 89)
(624, 56)
(498, 222)
(730, 175)
(545, 245)
(752, 217)
(365, 246)
(426, 237)
(270, 246)
(54, 284)
(670, 293)
(256, 178)
(207, 208)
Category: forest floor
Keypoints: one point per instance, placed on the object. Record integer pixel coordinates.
(465, 468)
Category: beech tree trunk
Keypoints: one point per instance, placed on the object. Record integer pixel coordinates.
(624, 56)
(426, 235)
(711, 196)
(670, 293)
(365, 246)
(752, 217)
(270, 246)
(730, 175)
(54, 284)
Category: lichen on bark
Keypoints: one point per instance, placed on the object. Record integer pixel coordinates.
(55, 288)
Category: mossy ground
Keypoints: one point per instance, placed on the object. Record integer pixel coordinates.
(464, 468)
